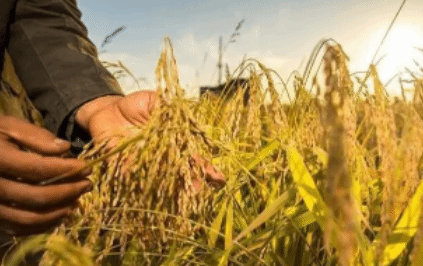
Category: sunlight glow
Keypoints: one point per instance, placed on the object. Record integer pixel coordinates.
(400, 52)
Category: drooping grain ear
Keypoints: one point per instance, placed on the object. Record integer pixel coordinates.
(153, 101)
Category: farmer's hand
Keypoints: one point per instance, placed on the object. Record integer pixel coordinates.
(108, 115)
(28, 155)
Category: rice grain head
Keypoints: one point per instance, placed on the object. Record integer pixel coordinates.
(146, 190)
(339, 196)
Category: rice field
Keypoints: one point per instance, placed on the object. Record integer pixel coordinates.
(332, 178)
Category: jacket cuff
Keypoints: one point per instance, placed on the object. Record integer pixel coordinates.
(71, 131)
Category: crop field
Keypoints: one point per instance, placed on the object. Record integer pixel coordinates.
(332, 178)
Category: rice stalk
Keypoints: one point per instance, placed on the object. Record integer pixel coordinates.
(386, 152)
(339, 196)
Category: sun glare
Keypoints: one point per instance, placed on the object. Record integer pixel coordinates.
(400, 52)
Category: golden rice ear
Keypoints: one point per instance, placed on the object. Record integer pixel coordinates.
(418, 97)
(339, 182)
(167, 75)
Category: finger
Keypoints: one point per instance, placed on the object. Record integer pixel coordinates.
(24, 222)
(196, 183)
(21, 217)
(137, 107)
(34, 167)
(108, 123)
(41, 197)
(30, 136)
(213, 176)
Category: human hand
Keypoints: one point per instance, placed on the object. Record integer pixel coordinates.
(29, 155)
(108, 116)
(211, 174)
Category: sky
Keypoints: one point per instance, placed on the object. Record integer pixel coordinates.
(281, 34)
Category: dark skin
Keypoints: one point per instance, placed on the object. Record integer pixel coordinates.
(30, 154)
(25, 207)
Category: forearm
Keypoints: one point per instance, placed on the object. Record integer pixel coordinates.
(55, 60)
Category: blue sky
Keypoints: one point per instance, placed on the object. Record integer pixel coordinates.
(281, 34)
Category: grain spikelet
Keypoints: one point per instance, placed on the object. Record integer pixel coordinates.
(410, 151)
(275, 109)
(339, 194)
(253, 113)
(387, 147)
(418, 97)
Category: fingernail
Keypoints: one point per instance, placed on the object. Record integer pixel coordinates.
(59, 142)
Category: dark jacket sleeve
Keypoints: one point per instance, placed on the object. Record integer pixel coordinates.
(54, 58)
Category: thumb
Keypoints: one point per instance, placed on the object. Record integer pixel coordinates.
(32, 137)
